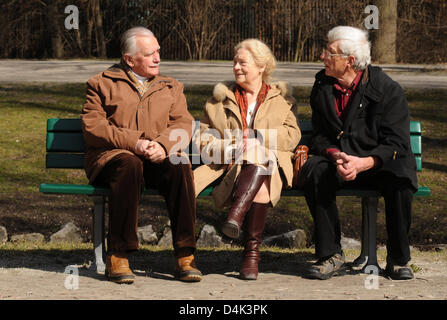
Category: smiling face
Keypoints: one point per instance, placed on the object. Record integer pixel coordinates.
(246, 72)
(146, 60)
(335, 66)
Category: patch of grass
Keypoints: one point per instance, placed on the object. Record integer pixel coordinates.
(25, 246)
(26, 107)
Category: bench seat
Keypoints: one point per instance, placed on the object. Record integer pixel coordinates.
(65, 150)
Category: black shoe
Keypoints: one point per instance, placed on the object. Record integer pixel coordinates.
(326, 268)
(397, 272)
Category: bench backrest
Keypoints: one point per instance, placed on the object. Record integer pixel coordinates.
(66, 147)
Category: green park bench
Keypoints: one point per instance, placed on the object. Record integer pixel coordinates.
(65, 150)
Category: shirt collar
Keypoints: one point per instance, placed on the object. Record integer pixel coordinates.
(139, 78)
(353, 84)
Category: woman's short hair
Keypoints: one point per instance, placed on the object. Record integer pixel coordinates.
(129, 39)
(353, 42)
(261, 54)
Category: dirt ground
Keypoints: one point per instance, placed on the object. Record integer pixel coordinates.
(51, 275)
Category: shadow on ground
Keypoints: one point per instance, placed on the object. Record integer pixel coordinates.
(156, 264)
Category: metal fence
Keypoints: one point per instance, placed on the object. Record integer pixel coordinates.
(294, 29)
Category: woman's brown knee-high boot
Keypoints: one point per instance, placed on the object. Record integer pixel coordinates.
(248, 183)
(253, 229)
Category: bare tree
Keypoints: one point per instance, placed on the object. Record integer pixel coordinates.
(304, 29)
(384, 43)
(99, 33)
(200, 21)
(54, 26)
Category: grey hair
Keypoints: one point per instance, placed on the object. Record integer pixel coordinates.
(262, 55)
(129, 39)
(353, 41)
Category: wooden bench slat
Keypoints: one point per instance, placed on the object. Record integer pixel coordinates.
(416, 144)
(418, 163)
(87, 189)
(64, 160)
(423, 191)
(65, 135)
(415, 127)
(305, 126)
(65, 141)
(72, 189)
(64, 125)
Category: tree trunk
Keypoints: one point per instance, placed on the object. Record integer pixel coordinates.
(57, 48)
(90, 18)
(384, 44)
(99, 32)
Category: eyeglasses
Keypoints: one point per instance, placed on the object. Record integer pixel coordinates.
(326, 53)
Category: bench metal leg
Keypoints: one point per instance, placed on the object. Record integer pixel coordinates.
(369, 205)
(363, 257)
(98, 233)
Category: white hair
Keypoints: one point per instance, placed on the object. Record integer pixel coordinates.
(129, 39)
(353, 41)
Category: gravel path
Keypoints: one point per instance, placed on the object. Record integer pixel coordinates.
(51, 275)
(297, 74)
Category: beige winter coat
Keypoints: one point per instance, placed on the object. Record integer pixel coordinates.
(115, 116)
(276, 119)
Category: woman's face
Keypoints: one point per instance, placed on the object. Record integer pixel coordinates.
(246, 71)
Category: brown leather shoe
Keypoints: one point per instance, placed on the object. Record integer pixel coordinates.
(185, 269)
(117, 269)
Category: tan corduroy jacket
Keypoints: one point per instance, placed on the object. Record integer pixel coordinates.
(277, 113)
(115, 116)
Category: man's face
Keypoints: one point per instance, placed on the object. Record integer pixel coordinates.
(335, 65)
(146, 60)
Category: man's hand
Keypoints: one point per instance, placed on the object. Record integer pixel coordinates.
(348, 167)
(141, 146)
(155, 152)
(150, 150)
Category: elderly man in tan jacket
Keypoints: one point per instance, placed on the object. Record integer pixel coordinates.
(129, 117)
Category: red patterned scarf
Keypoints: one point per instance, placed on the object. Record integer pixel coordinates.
(241, 99)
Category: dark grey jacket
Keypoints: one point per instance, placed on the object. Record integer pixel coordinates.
(377, 122)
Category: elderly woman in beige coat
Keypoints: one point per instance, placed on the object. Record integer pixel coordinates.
(247, 137)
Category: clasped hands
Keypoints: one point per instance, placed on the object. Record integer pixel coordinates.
(248, 142)
(150, 150)
(348, 167)
(245, 146)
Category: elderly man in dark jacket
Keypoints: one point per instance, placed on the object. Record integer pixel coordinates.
(361, 137)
